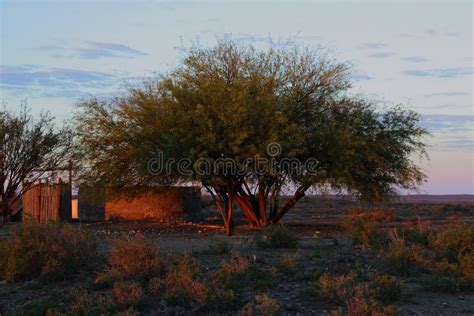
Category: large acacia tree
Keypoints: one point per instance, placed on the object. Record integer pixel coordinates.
(286, 108)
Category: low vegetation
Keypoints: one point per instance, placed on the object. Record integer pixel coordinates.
(278, 272)
(51, 251)
(362, 297)
(276, 236)
(442, 258)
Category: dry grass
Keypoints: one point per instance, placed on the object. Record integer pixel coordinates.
(52, 251)
(362, 298)
(132, 258)
(263, 306)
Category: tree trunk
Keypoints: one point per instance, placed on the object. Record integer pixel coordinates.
(300, 192)
(246, 206)
(229, 219)
(262, 205)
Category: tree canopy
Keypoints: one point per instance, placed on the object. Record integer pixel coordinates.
(246, 123)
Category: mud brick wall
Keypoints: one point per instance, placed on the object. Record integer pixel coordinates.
(154, 204)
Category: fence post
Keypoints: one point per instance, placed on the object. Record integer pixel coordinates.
(40, 200)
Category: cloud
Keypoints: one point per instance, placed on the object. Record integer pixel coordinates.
(94, 50)
(372, 45)
(414, 59)
(111, 50)
(52, 81)
(446, 94)
(438, 122)
(381, 55)
(441, 72)
(450, 132)
(362, 77)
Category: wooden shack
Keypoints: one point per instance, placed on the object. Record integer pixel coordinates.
(151, 204)
(47, 202)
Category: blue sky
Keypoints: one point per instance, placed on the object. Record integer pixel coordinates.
(418, 53)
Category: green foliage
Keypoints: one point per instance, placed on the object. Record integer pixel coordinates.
(227, 103)
(52, 251)
(277, 236)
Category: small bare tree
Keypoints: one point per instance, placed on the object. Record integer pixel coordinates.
(28, 148)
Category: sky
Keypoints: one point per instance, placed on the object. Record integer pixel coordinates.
(415, 53)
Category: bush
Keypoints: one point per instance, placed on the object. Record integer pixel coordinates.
(386, 288)
(446, 256)
(131, 258)
(127, 293)
(277, 236)
(238, 273)
(360, 305)
(52, 251)
(35, 308)
(181, 285)
(232, 273)
(453, 242)
(361, 298)
(86, 303)
(219, 247)
(263, 306)
(287, 263)
(366, 232)
(404, 259)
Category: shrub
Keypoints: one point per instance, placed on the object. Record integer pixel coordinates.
(219, 247)
(127, 293)
(181, 285)
(366, 233)
(452, 242)
(386, 288)
(466, 265)
(287, 263)
(361, 298)
(446, 256)
(133, 257)
(35, 308)
(277, 236)
(337, 287)
(86, 303)
(417, 231)
(361, 305)
(52, 251)
(237, 273)
(232, 273)
(263, 306)
(404, 259)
